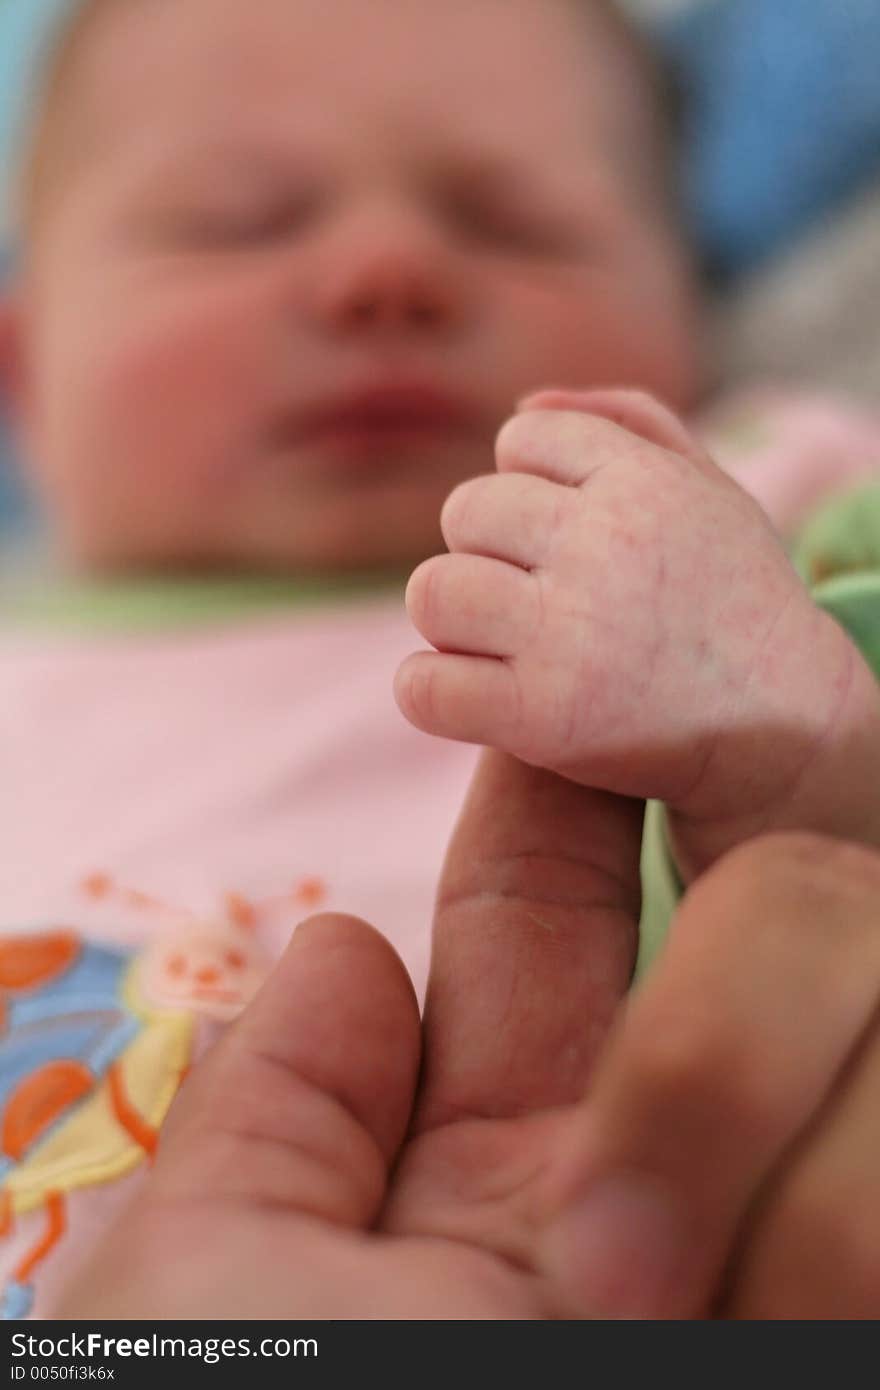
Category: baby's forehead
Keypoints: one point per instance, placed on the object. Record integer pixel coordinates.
(467, 63)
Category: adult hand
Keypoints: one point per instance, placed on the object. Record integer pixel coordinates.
(332, 1159)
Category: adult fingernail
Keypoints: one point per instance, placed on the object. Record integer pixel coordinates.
(622, 1250)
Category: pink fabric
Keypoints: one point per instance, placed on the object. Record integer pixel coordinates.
(245, 758)
(791, 452)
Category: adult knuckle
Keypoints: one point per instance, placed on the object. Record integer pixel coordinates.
(806, 855)
(672, 1058)
(793, 883)
(697, 1068)
(832, 1231)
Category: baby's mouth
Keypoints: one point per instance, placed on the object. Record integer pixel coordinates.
(381, 417)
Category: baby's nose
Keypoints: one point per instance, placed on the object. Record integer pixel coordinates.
(391, 273)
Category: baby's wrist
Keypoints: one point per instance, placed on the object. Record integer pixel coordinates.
(827, 785)
(846, 773)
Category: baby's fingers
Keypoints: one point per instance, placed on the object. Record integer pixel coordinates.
(568, 438)
(563, 446)
(636, 411)
(726, 1059)
(466, 603)
(474, 699)
(512, 517)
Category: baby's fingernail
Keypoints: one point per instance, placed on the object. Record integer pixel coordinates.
(532, 401)
(621, 1251)
(554, 398)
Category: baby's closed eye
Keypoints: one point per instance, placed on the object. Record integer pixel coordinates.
(503, 208)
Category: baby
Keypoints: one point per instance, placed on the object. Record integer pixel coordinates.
(286, 270)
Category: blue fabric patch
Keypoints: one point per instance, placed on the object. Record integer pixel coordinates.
(80, 1016)
(783, 116)
(93, 981)
(92, 1039)
(16, 1301)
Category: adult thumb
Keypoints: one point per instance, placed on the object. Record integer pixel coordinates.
(305, 1100)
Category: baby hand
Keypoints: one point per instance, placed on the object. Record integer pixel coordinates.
(615, 609)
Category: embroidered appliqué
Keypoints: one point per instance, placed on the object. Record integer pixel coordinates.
(95, 1041)
(88, 1070)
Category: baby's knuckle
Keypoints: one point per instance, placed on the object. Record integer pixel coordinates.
(458, 507)
(637, 396)
(565, 517)
(424, 599)
(422, 695)
(531, 439)
(516, 438)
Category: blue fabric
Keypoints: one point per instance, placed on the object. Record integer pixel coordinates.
(23, 26)
(14, 507)
(80, 1015)
(16, 1302)
(91, 983)
(782, 116)
(95, 1041)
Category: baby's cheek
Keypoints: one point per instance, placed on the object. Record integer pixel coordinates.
(172, 377)
(164, 400)
(587, 328)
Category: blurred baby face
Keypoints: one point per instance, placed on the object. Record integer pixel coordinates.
(305, 257)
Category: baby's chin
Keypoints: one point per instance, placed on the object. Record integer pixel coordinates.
(273, 520)
(392, 524)
(326, 544)
(344, 550)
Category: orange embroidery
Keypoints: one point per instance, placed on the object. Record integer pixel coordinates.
(96, 885)
(39, 1100)
(54, 1232)
(142, 1132)
(102, 886)
(241, 912)
(311, 891)
(142, 900)
(34, 960)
